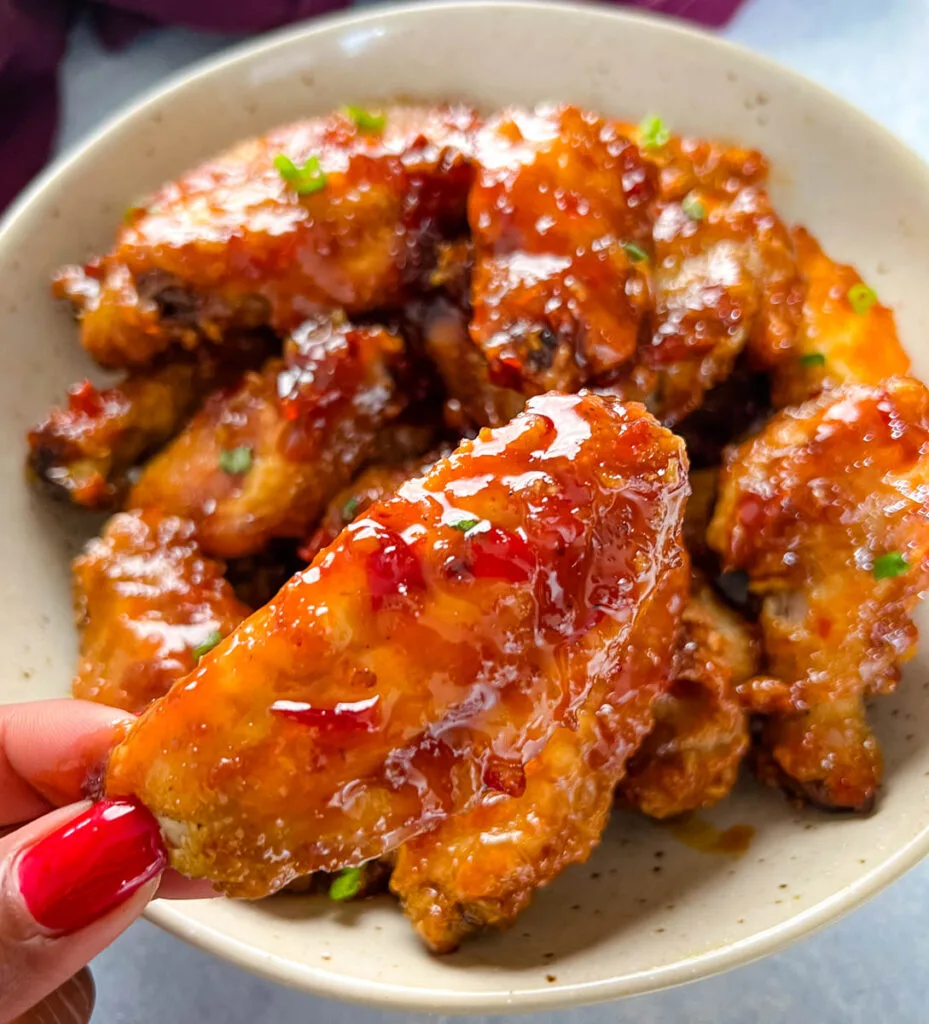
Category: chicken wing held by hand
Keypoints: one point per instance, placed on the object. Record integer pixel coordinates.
(827, 512)
(146, 601)
(480, 869)
(348, 223)
(423, 659)
(85, 449)
(262, 460)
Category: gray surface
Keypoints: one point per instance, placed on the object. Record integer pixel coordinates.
(869, 968)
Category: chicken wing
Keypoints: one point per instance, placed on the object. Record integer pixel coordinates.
(424, 658)
(725, 276)
(559, 215)
(691, 758)
(263, 460)
(846, 335)
(147, 604)
(827, 510)
(480, 869)
(85, 449)
(312, 216)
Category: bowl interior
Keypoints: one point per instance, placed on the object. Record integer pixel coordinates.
(648, 909)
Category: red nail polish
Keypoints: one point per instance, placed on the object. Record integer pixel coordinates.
(87, 867)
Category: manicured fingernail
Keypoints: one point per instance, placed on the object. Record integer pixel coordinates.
(77, 873)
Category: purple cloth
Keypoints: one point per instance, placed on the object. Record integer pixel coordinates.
(33, 34)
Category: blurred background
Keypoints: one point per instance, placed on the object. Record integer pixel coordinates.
(65, 66)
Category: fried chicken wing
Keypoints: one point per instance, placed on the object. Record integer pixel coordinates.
(725, 276)
(559, 215)
(263, 460)
(424, 658)
(84, 450)
(691, 758)
(480, 869)
(827, 510)
(147, 602)
(376, 483)
(312, 216)
(846, 335)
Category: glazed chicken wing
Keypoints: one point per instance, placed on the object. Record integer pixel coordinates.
(725, 276)
(147, 604)
(559, 215)
(84, 450)
(480, 869)
(846, 335)
(311, 216)
(827, 511)
(691, 758)
(261, 461)
(424, 658)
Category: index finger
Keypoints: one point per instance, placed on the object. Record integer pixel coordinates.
(48, 749)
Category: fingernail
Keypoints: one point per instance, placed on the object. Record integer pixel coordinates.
(77, 873)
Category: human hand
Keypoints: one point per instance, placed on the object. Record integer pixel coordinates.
(73, 878)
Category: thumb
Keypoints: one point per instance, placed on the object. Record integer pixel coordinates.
(70, 883)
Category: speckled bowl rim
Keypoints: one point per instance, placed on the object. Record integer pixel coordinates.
(170, 915)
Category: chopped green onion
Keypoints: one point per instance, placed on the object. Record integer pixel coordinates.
(653, 133)
(346, 884)
(812, 359)
(635, 252)
(367, 120)
(349, 509)
(464, 524)
(207, 645)
(236, 460)
(887, 566)
(692, 206)
(861, 297)
(304, 180)
(132, 213)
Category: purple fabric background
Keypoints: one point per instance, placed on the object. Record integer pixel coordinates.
(33, 34)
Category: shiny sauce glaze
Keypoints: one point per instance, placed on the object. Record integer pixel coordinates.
(559, 215)
(465, 619)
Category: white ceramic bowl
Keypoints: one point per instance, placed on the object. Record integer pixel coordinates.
(647, 911)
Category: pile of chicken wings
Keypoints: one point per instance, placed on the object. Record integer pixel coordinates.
(469, 475)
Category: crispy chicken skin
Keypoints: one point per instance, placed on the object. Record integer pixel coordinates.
(232, 243)
(559, 217)
(480, 869)
(691, 758)
(836, 344)
(145, 600)
(83, 450)
(376, 483)
(424, 658)
(300, 429)
(827, 512)
(725, 276)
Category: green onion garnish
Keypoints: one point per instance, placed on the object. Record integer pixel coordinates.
(236, 460)
(346, 884)
(349, 509)
(653, 133)
(812, 359)
(861, 297)
(133, 213)
(207, 645)
(464, 524)
(887, 566)
(635, 252)
(692, 206)
(367, 120)
(303, 180)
